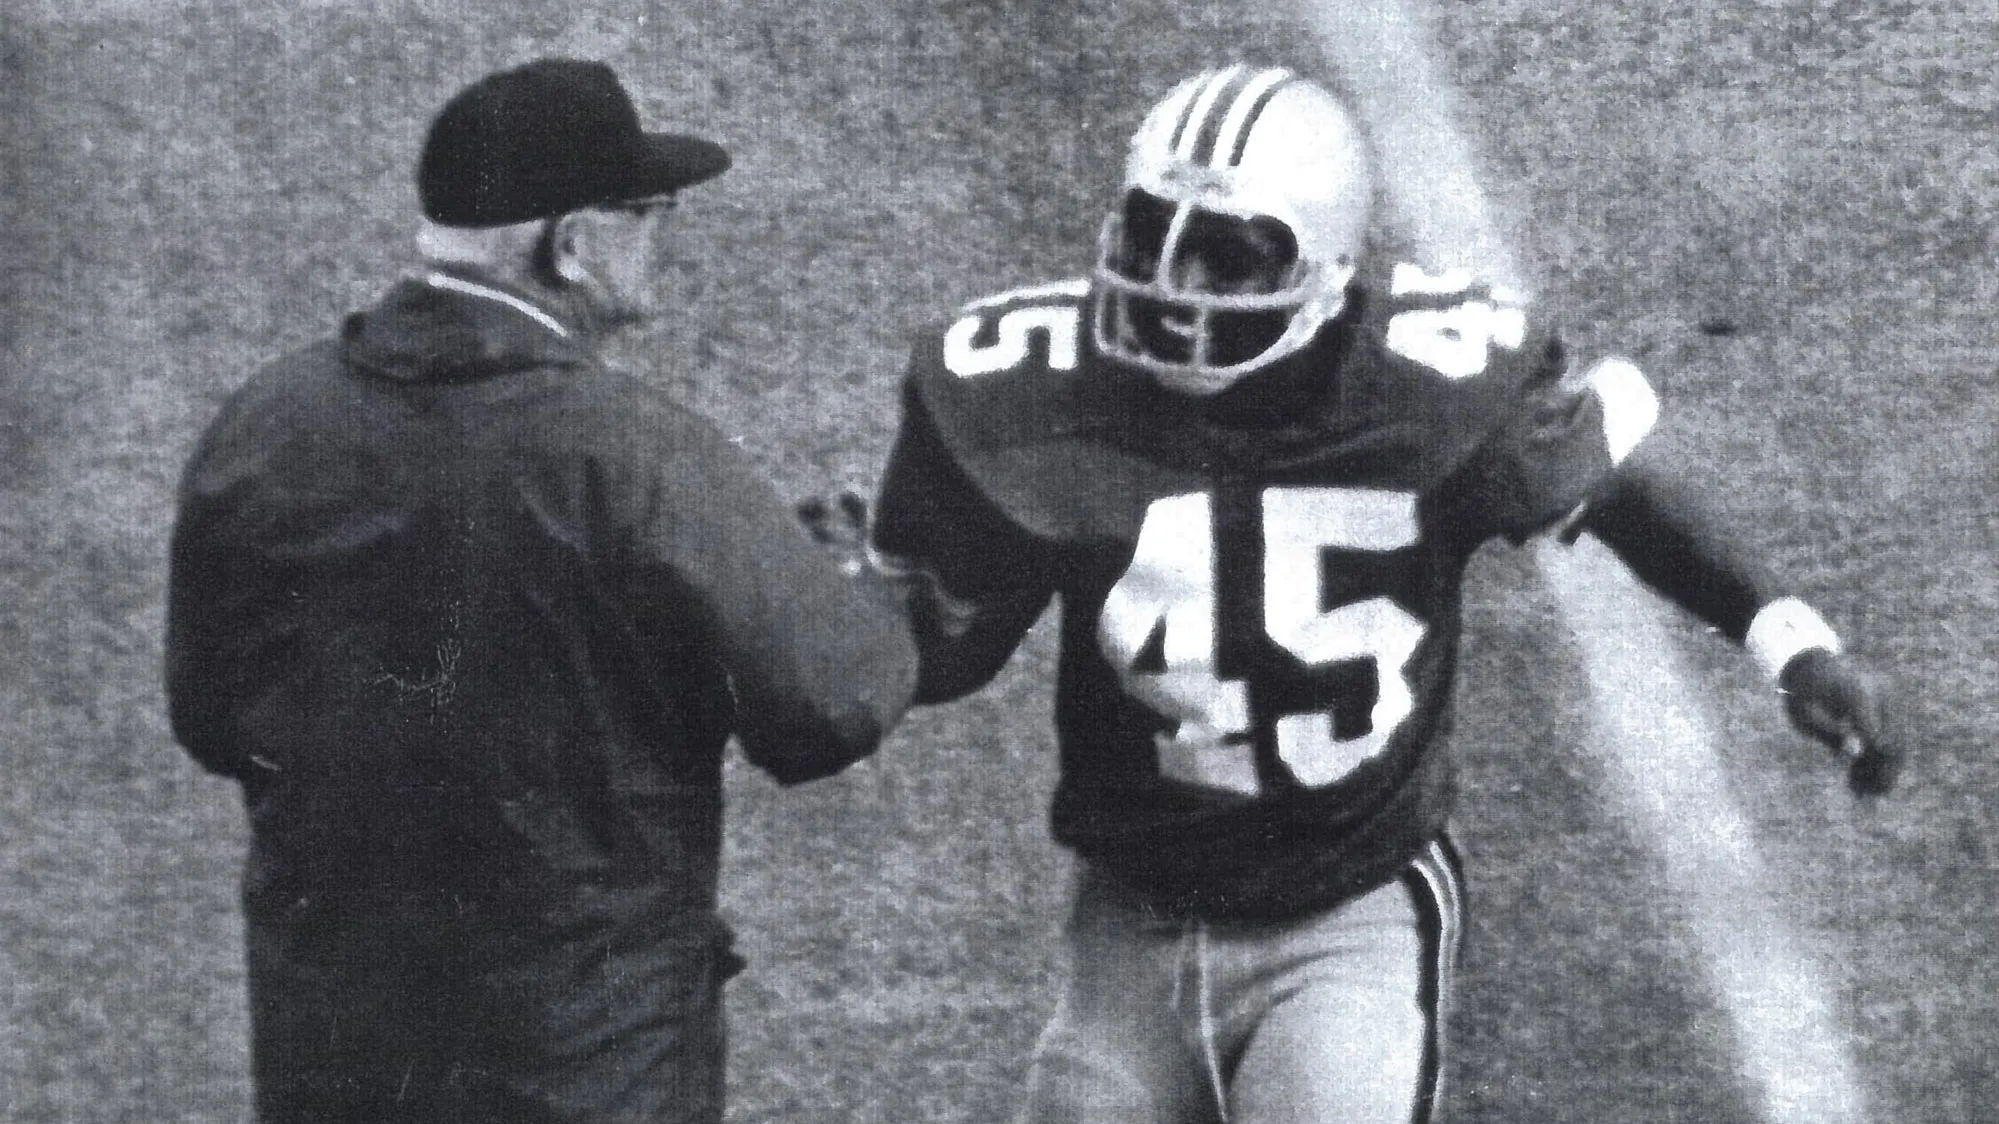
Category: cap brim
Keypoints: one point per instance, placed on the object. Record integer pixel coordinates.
(672, 161)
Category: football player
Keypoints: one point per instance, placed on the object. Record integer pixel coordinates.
(1253, 464)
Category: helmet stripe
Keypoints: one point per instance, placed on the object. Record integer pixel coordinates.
(1186, 117)
(1243, 114)
(1197, 132)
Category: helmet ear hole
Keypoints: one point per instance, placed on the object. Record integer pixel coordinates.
(1142, 222)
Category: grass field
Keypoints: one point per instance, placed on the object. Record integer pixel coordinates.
(189, 186)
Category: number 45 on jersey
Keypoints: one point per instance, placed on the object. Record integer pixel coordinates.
(1170, 586)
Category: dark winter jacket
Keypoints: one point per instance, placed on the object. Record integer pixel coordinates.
(472, 617)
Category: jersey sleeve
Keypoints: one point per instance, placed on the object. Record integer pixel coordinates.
(1654, 521)
(988, 578)
(1573, 457)
(821, 665)
(1558, 441)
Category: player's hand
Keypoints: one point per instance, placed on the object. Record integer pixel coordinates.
(1829, 700)
(840, 522)
(844, 524)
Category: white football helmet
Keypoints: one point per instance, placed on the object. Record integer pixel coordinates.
(1246, 201)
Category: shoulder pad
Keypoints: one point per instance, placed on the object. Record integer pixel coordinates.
(1027, 412)
(1429, 366)
(1003, 370)
(1452, 326)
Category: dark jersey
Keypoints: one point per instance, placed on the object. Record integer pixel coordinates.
(1260, 607)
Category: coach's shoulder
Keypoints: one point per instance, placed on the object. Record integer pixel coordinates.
(278, 397)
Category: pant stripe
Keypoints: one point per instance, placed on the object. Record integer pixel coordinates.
(1436, 879)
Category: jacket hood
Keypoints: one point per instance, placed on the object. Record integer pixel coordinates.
(443, 328)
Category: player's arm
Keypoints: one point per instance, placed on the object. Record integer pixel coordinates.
(1579, 444)
(1663, 531)
(821, 663)
(1572, 457)
(982, 580)
(1661, 528)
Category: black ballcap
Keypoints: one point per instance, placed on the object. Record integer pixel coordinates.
(547, 138)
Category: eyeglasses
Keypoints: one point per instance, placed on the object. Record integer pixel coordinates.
(640, 208)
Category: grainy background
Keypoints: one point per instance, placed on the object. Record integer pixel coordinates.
(189, 186)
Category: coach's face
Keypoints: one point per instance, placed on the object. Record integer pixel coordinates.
(612, 255)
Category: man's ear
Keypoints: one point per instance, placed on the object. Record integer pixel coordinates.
(568, 242)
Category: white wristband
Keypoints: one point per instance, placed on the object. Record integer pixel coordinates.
(1782, 629)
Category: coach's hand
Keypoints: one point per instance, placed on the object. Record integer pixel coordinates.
(1829, 700)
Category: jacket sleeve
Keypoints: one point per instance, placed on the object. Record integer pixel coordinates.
(821, 664)
(199, 685)
(215, 637)
(987, 579)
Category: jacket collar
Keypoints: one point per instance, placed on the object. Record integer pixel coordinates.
(444, 326)
(466, 287)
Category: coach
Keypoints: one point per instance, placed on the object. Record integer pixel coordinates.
(471, 618)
